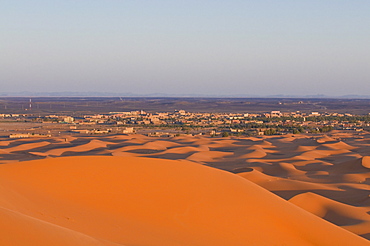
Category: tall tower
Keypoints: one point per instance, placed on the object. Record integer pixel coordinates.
(30, 103)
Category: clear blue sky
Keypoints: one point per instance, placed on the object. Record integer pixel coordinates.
(261, 47)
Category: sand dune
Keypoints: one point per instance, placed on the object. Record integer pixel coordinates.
(326, 175)
(93, 144)
(354, 219)
(325, 139)
(26, 147)
(339, 145)
(317, 154)
(19, 229)
(204, 156)
(173, 203)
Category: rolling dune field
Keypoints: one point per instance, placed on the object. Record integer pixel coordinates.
(138, 190)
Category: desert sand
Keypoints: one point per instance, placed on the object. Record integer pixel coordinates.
(138, 190)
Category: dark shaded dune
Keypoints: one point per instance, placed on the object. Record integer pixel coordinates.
(366, 236)
(281, 154)
(363, 151)
(242, 170)
(315, 165)
(353, 197)
(231, 149)
(340, 218)
(55, 150)
(80, 141)
(244, 142)
(97, 151)
(289, 194)
(121, 145)
(305, 142)
(280, 169)
(237, 152)
(340, 158)
(53, 146)
(25, 147)
(354, 166)
(18, 142)
(117, 138)
(20, 156)
(170, 156)
(91, 145)
(59, 140)
(144, 151)
(186, 149)
(203, 157)
(322, 177)
(220, 143)
(229, 164)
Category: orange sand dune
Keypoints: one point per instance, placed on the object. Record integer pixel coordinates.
(93, 144)
(20, 229)
(314, 154)
(361, 165)
(257, 153)
(209, 156)
(141, 201)
(139, 139)
(25, 147)
(153, 145)
(281, 184)
(355, 219)
(325, 139)
(260, 151)
(287, 139)
(4, 143)
(335, 168)
(339, 145)
(302, 148)
(66, 138)
(183, 150)
(217, 144)
(158, 145)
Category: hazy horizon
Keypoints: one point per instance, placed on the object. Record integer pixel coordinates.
(219, 48)
(66, 94)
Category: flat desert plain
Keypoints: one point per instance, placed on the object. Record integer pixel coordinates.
(136, 190)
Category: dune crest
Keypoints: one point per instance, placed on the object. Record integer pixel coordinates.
(366, 161)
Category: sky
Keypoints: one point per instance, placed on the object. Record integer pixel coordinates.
(208, 47)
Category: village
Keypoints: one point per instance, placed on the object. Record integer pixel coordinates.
(178, 122)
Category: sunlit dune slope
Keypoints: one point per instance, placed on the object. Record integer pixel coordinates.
(141, 201)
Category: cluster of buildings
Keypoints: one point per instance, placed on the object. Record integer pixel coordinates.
(180, 121)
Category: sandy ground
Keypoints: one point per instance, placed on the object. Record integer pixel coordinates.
(137, 190)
